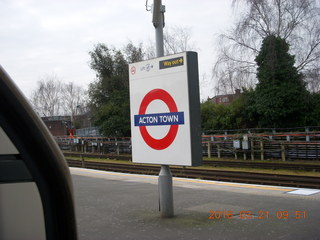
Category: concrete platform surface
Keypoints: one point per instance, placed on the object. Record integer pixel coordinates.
(125, 206)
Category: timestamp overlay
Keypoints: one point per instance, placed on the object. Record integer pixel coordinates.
(259, 215)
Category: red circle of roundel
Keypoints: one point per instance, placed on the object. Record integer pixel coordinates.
(158, 94)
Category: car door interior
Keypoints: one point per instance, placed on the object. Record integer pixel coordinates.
(36, 194)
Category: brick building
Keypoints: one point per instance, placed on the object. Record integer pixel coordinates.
(227, 98)
(63, 125)
(58, 125)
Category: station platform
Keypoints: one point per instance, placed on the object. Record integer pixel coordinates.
(122, 206)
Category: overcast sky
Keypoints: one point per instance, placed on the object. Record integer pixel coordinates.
(42, 37)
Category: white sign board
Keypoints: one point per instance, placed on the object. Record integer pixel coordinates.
(165, 110)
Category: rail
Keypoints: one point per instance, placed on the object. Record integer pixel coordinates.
(230, 176)
(216, 163)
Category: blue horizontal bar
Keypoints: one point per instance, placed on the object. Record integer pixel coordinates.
(158, 119)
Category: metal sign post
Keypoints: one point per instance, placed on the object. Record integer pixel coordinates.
(165, 112)
(158, 23)
(165, 176)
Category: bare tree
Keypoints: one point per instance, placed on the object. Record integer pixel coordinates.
(175, 39)
(231, 75)
(150, 49)
(53, 98)
(296, 21)
(74, 99)
(46, 99)
(312, 77)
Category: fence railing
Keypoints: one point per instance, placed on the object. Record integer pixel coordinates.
(262, 146)
(254, 146)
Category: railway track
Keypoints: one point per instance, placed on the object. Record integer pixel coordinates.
(220, 163)
(265, 165)
(230, 176)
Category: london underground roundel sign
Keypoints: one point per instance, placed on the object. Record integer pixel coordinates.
(173, 118)
(165, 110)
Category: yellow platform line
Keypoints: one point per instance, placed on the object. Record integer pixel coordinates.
(235, 184)
(177, 179)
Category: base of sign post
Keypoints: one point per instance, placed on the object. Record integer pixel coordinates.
(165, 192)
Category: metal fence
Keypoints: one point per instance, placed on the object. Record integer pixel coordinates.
(285, 146)
(245, 145)
(88, 132)
(100, 145)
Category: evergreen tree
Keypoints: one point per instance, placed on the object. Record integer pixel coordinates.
(280, 95)
(109, 94)
(234, 116)
(312, 111)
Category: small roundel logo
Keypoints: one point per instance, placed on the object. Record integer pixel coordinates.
(133, 70)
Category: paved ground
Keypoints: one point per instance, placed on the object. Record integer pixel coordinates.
(125, 206)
